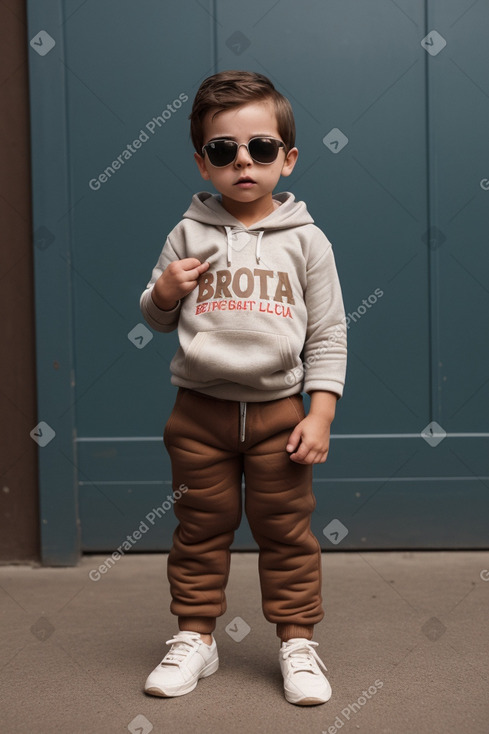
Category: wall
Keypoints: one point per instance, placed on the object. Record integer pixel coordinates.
(19, 511)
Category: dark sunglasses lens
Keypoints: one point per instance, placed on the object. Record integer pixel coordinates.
(221, 152)
(263, 150)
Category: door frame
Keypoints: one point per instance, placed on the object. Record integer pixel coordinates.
(51, 217)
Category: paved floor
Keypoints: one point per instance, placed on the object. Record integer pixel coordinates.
(405, 639)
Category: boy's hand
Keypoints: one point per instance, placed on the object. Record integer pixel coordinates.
(309, 441)
(176, 281)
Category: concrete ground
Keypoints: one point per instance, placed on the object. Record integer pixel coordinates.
(404, 638)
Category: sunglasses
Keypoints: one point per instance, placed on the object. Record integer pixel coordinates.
(223, 152)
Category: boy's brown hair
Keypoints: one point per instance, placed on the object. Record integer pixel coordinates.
(229, 89)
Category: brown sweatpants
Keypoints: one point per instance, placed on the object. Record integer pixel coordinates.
(212, 443)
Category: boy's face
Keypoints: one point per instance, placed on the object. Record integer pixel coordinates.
(252, 120)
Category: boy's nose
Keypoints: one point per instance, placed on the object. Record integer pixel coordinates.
(243, 158)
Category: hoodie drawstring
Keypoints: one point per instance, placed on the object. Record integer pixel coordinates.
(258, 242)
(229, 234)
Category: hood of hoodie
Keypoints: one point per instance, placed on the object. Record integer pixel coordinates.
(207, 208)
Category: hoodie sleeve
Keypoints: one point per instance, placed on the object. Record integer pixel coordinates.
(157, 318)
(325, 345)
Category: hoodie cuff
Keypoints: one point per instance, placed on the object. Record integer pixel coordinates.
(318, 384)
(156, 317)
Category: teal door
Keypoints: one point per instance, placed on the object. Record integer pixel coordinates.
(392, 108)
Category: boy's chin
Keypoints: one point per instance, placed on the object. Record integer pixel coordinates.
(245, 196)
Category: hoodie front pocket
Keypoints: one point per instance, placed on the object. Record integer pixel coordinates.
(253, 358)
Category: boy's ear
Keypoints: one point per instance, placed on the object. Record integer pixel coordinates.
(202, 167)
(290, 161)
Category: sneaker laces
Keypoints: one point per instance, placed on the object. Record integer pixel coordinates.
(302, 655)
(181, 644)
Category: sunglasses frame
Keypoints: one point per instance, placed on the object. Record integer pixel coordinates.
(281, 144)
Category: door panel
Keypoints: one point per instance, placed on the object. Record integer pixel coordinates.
(401, 202)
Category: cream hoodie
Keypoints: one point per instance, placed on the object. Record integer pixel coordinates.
(266, 320)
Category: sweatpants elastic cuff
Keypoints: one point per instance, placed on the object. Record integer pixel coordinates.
(288, 631)
(203, 625)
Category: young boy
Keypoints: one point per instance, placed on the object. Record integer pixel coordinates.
(251, 284)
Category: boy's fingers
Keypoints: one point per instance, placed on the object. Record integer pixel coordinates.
(192, 269)
(301, 454)
(192, 276)
(305, 456)
(294, 439)
(191, 263)
(187, 263)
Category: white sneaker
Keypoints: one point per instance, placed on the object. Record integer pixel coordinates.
(188, 659)
(304, 683)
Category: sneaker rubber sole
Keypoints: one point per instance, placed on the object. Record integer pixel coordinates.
(306, 701)
(182, 690)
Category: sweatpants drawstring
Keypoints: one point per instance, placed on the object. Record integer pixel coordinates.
(242, 421)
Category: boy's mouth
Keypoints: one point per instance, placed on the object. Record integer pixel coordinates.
(245, 182)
